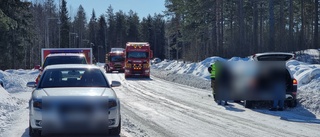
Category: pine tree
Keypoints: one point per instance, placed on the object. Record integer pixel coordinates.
(65, 25)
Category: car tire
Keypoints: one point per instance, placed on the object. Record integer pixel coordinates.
(292, 103)
(34, 132)
(247, 104)
(115, 131)
(237, 101)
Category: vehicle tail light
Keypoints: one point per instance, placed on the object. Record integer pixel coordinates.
(112, 103)
(294, 93)
(37, 104)
(295, 82)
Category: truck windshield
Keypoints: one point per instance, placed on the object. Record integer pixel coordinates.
(116, 58)
(64, 60)
(137, 54)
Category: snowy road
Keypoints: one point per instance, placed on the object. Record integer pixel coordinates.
(160, 108)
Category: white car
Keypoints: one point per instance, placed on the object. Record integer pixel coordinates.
(155, 61)
(74, 98)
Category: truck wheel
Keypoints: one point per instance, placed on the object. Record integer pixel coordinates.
(247, 104)
(292, 103)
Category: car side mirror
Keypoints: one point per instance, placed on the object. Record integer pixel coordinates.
(115, 84)
(31, 84)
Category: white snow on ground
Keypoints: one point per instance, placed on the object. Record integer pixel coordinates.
(14, 95)
(196, 75)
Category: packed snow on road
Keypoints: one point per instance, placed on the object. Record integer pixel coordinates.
(176, 101)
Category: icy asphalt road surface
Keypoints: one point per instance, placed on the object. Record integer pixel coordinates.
(160, 108)
(154, 107)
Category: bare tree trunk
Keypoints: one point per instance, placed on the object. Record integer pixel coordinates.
(316, 24)
(271, 26)
(221, 29)
(302, 37)
(255, 26)
(241, 28)
(261, 29)
(291, 25)
(282, 46)
(217, 26)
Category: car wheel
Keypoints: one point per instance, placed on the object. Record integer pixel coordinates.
(34, 132)
(292, 103)
(116, 130)
(247, 104)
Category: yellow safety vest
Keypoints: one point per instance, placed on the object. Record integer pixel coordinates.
(213, 70)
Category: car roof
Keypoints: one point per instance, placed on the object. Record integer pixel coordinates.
(66, 54)
(81, 66)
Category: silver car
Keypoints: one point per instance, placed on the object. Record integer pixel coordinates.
(74, 98)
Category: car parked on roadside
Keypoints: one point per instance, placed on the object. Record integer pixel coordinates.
(73, 95)
(291, 82)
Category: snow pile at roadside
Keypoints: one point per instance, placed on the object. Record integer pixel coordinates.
(308, 77)
(191, 74)
(8, 105)
(16, 80)
(310, 56)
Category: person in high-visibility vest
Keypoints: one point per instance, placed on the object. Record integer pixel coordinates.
(216, 70)
(213, 71)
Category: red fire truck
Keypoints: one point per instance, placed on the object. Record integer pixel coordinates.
(138, 55)
(115, 60)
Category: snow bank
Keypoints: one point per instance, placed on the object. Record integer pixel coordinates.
(16, 80)
(8, 105)
(14, 83)
(310, 56)
(196, 75)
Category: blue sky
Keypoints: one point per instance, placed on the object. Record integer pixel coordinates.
(142, 7)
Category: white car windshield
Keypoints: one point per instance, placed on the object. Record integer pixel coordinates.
(74, 77)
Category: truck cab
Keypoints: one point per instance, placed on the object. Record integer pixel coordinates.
(138, 55)
(115, 60)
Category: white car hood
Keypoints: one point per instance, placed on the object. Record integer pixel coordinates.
(75, 92)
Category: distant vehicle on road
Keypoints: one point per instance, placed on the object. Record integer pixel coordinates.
(115, 60)
(74, 99)
(155, 61)
(138, 55)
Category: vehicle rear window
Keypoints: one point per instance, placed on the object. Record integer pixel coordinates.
(274, 57)
(64, 60)
(73, 78)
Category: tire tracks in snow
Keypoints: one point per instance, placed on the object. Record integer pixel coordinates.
(219, 121)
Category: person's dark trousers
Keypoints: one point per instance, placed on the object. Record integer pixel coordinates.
(279, 95)
(213, 86)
